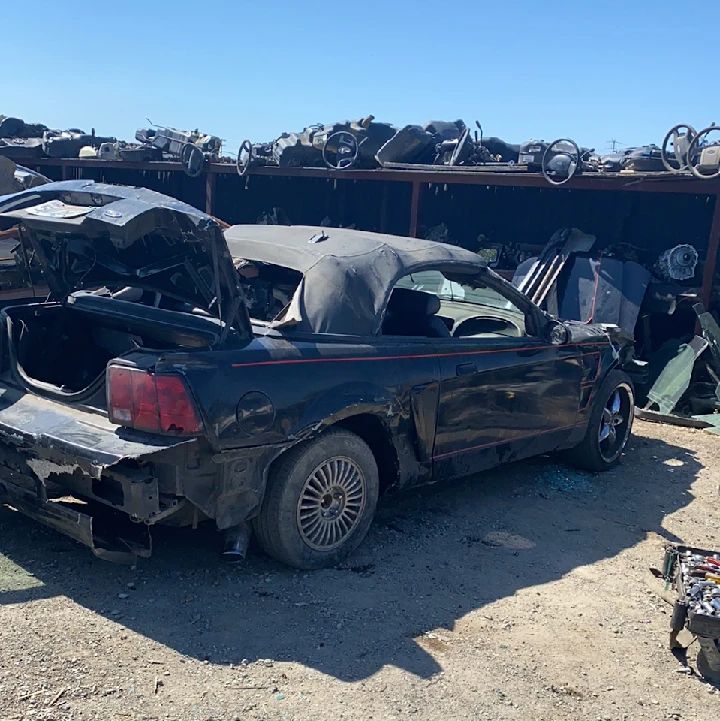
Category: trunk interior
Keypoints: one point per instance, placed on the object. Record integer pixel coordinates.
(62, 349)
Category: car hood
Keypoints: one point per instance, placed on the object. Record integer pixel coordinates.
(88, 235)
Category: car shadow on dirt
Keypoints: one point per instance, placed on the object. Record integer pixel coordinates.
(431, 557)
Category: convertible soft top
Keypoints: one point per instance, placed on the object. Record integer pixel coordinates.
(347, 274)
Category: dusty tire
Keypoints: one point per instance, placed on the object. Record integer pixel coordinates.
(609, 426)
(710, 672)
(320, 501)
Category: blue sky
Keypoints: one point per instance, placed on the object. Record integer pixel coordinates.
(586, 69)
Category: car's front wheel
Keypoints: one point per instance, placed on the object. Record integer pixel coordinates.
(320, 501)
(609, 425)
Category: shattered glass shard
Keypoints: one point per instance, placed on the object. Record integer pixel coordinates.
(674, 378)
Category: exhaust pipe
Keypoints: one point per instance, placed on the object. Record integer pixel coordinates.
(236, 541)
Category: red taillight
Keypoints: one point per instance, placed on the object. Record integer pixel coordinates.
(148, 402)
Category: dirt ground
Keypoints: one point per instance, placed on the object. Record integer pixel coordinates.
(524, 594)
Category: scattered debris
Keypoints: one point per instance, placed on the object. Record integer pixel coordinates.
(58, 696)
(710, 421)
(557, 477)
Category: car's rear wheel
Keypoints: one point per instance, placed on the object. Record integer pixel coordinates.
(320, 501)
(609, 426)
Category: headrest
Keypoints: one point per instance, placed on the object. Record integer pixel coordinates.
(414, 302)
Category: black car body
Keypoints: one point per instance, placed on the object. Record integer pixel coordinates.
(143, 390)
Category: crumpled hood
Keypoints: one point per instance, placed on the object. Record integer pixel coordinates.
(88, 234)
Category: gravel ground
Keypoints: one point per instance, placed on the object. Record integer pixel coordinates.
(522, 595)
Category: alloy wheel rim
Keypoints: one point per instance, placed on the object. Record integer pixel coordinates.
(331, 503)
(615, 423)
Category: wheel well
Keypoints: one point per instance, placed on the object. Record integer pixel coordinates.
(374, 432)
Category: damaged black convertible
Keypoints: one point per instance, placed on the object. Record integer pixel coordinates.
(272, 379)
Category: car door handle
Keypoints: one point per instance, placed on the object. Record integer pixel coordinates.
(465, 369)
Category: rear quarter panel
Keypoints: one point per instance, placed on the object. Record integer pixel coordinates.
(310, 385)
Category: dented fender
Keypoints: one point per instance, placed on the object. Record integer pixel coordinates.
(347, 400)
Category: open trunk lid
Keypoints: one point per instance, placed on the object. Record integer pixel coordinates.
(87, 235)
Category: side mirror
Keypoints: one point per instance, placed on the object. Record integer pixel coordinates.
(556, 333)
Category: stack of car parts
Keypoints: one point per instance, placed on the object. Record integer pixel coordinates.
(20, 140)
(70, 143)
(452, 144)
(24, 141)
(695, 575)
(448, 145)
(574, 280)
(190, 147)
(341, 145)
(365, 143)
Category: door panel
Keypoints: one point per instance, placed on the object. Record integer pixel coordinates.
(495, 393)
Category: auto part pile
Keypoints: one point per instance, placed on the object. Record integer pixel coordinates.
(25, 141)
(651, 293)
(695, 574)
(366, 143)
(339, 145)
(654, 300)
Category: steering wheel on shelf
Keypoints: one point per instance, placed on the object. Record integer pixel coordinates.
(340, 150)
(244, 158)
(192, 160)
(561, 159)
(463, 149)
(681, 145)
(709, 156)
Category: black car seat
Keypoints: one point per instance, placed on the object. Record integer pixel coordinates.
(413, 312)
